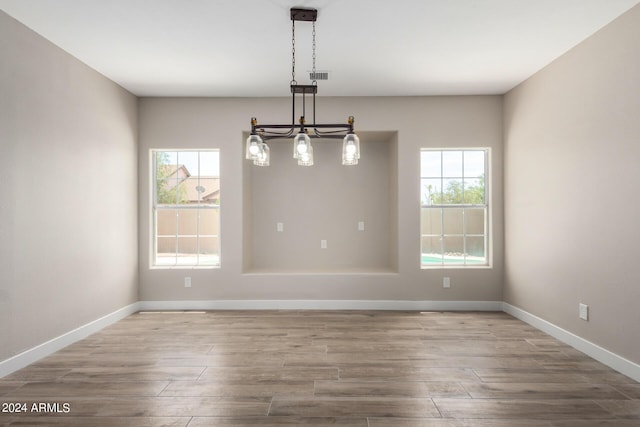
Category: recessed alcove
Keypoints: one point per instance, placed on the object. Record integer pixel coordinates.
(325, 202)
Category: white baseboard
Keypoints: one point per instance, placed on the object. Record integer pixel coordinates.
(323, 305)
(602, 355)
(38, 352)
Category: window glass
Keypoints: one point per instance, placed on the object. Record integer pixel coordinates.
(186, 208)
(453, 219)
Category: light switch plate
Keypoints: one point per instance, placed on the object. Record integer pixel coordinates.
(583, 311)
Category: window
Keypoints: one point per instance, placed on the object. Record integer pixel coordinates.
(186, 208)
(454, 207)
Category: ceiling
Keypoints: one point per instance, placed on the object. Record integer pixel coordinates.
(232, 48)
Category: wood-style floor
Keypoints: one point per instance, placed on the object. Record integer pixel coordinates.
(317, 368)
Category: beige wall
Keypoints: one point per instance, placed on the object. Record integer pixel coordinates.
(170, 123)
(572, 156)
(68, 215)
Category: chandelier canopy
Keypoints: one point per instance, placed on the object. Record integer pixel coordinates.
(302, 132)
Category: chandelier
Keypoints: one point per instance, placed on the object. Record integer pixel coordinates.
(302, 132)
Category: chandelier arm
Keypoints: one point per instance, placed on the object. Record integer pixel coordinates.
(272, 137)
(325, 136)
(309, 126)
(265, 128)
(329, 134)
(268, 132)
(261, 127)
(330, 125)
(321, 134)
(267, 136)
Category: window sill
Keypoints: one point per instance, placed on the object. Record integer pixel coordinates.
(456, 267)
(184, 267)
(321, 272)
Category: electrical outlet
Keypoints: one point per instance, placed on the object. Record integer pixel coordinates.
(446, 282)
(187, 282)
(583, 311)
(323, 244)
(361, 226)
(280, 227)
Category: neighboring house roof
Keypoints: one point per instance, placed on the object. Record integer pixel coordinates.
(209, 188)
(173, 171)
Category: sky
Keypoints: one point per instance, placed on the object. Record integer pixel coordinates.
(451, 163)
(203, 162)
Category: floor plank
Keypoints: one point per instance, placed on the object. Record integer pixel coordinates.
(352, 407)
(390, 389)
(96, 421)
(440, 422)
(542, 391)
(521, 408)
(271, 421)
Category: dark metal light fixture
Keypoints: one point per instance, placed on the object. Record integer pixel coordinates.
(256, 147)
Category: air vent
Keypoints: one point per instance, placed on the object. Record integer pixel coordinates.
(319, 75)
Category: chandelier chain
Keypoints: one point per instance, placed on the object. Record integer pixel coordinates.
(293, 52)
(313, 47)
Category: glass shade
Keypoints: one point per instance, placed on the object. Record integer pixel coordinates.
(263, 157)
(253, 147)
(301, 145)
(350, 149)
(306, 158)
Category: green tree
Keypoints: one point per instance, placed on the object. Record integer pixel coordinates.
(167, 192)
(456, 194)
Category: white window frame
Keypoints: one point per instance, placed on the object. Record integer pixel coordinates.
(156, 207)
(442, 207)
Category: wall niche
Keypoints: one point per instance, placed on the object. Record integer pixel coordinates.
(324, 202)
